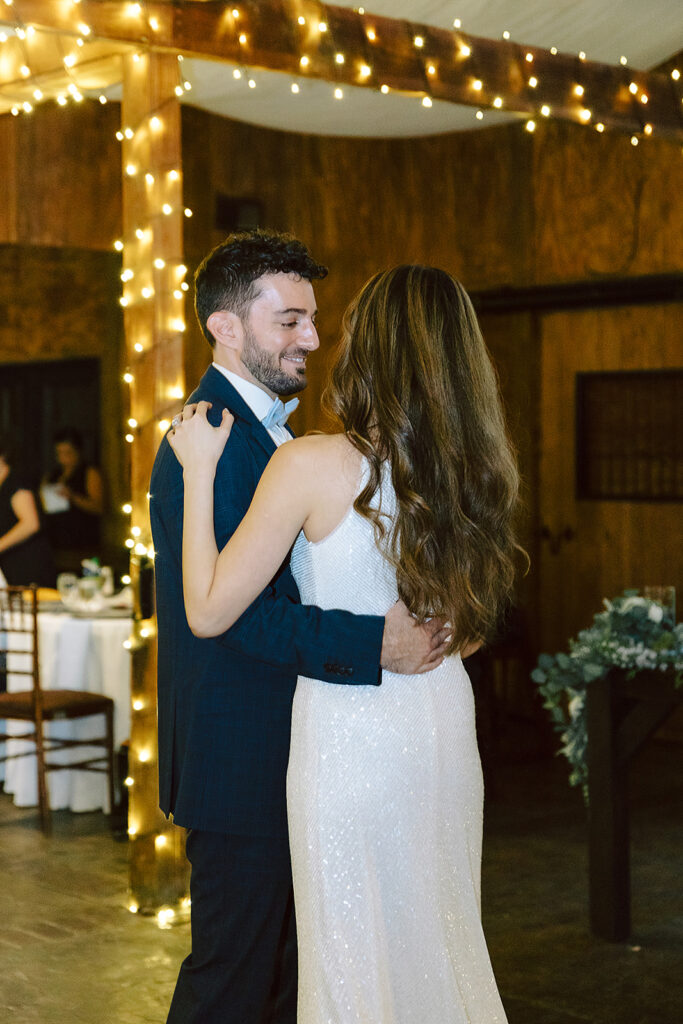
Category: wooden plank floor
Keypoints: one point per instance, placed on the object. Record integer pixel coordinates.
(71, 951)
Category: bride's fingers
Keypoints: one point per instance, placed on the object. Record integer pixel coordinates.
(201, 409)
(188, 411)
(227, 420)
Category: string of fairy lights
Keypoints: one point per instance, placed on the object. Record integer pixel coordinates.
(143, 23)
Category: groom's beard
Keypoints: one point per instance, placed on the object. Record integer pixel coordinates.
(266, 368)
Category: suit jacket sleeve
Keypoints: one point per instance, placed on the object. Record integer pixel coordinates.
(333, 645)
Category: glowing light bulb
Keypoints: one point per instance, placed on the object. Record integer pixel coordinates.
(371, 34)
(159, 263)
(530, 126)
(167, 209)
(145, 756)
(160, 842)
(533, 82)
(498, 102)
(338, 94)
(477, 85)
(545, 110)
(365, 71)
(128, 378)
(304, 61)
(339, 58)
(426, 101)
(132, 422)
(128, 781)
(579, 90)
(127, 508)
(294, 87)
(465, 50)
(599, 127)
(418, 41)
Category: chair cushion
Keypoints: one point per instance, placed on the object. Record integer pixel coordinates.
(56, 704)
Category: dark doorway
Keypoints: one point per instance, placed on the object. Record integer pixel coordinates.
(38, 399)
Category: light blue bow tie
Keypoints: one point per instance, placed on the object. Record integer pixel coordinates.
(278, 413)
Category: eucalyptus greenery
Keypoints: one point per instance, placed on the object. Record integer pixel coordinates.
(632, 633)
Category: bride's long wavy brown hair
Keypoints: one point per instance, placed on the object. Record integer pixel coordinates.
(413, 384)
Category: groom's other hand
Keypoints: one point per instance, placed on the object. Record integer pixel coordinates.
(409, 648)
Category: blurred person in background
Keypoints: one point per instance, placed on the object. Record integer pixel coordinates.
(25, 553)
(73, 501)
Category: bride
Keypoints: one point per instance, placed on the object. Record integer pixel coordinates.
(415, 498)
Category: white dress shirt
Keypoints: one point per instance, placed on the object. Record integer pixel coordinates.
(258, 401)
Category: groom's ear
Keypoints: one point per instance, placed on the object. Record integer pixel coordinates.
(226, 329)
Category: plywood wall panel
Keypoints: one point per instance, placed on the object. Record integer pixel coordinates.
(603, 207)
(61, 168)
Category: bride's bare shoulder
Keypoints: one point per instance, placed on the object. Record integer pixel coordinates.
(322, 454)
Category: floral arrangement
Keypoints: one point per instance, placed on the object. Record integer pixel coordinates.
(632, 633)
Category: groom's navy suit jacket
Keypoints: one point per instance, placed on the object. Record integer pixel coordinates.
(225, 703)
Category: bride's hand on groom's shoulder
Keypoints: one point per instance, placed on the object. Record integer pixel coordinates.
(195, 442)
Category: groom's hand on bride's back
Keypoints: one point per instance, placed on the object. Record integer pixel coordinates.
(409, 648)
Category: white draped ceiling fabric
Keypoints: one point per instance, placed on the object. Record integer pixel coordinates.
(32, 63)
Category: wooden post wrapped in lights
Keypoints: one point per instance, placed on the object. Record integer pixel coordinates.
(153, 300)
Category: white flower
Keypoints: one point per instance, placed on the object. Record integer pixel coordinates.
(575, 706)
(655, 613)
(632, 602)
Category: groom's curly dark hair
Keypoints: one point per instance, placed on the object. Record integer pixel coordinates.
(226, 278)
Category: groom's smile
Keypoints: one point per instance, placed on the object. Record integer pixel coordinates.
(279, 333)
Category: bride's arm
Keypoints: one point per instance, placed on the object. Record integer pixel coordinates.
(218, 587)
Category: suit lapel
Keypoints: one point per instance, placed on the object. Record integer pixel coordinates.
(215, 387)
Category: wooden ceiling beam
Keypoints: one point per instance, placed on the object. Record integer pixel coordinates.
(378, 52)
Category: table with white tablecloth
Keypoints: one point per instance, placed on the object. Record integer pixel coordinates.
(76, 653)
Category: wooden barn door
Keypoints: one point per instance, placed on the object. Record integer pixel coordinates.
(590, 547)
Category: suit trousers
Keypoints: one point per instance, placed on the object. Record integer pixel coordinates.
(242, 968)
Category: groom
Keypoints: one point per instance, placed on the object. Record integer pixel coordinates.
(225, 702)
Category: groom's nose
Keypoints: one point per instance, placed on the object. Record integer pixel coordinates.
(309, 336)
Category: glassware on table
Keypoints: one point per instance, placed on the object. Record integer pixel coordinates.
(664, 595)
(89, 588)
(67, 585)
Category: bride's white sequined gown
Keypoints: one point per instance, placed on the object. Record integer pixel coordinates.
(385, 800)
